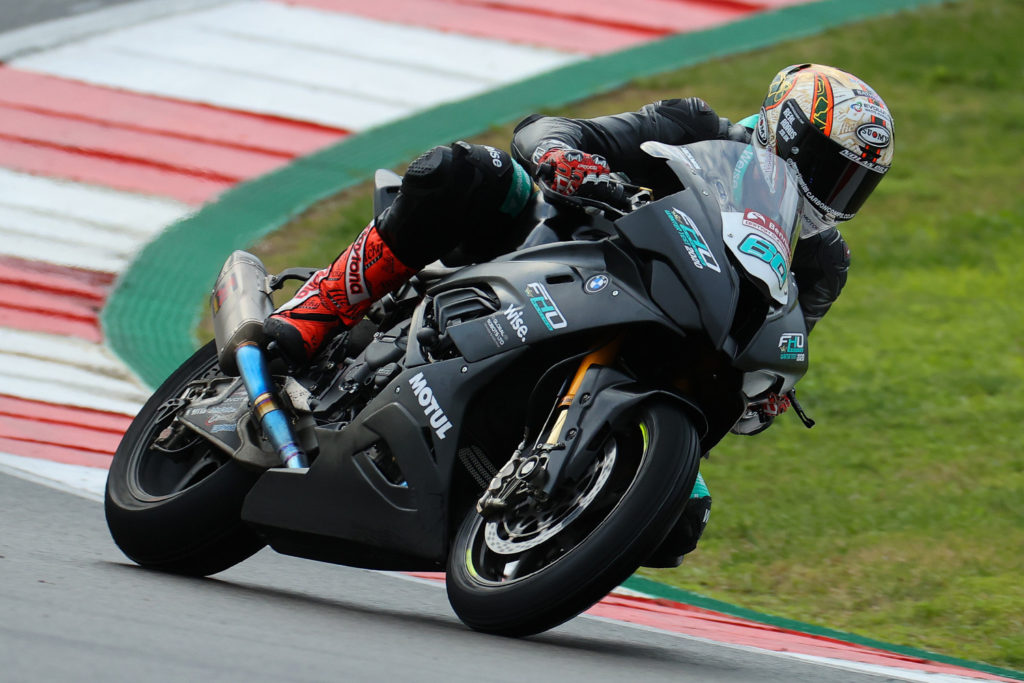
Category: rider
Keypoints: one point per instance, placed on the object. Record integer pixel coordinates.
(829, 126)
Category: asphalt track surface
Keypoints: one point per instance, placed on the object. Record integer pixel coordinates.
(75, 609)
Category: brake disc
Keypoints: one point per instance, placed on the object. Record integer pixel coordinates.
(528, 525)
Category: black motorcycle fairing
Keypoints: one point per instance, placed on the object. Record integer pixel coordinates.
(297, 511)
(685, 230)
(542, 293)
(605, 397)
(780, 348)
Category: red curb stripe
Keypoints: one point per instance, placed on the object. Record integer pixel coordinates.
(120, 174)
(41, 411)
(694, 621)
(29, 321)
(190, 121)
(492, 22)
(85, 284)
(41, 297)
(60, 454)
(64, 434)
(19, 298)
(50, 433)
(658, 17)
(676, 617)
(90, 139)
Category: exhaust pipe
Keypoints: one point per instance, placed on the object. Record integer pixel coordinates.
(240, 303)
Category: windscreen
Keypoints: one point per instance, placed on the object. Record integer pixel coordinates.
(759, 200)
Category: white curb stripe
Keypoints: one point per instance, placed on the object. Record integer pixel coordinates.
(87, 482)
(69, 351)
(303, 73)
(467, 57)
(56, 382)
(91, 205)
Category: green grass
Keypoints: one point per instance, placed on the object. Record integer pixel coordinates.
(901, 515)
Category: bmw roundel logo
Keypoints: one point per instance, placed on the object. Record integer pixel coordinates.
(596, 284)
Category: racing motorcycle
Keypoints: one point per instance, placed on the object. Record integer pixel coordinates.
(531, 425)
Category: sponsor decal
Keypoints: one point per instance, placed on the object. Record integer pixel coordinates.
(497, 331)
(693, 241)
(355, 285)
(761, 129)
(787, 122)
(514, 315)
(852, 156)
(495, 156)
(221, 294)
(596, 284)
(211, 410)
(439, 422)
(792, 346)
(224, 428)
(545, 306)
(758, 221)
(874, 135)
(756, 245)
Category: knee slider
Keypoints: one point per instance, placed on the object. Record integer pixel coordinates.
(429, 172)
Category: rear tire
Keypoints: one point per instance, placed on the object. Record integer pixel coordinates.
(656, 457)
(178, 514)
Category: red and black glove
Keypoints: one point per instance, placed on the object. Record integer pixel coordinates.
(566, 169)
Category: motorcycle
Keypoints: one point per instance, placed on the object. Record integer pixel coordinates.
(532, 425)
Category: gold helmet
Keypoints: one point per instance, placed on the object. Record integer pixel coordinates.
(835, 131)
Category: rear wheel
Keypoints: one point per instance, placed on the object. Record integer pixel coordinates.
(173, 500)
(539, 565)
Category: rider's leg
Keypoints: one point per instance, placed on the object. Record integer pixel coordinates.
(445, 194)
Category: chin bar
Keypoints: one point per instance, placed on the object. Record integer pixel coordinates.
(252, 366)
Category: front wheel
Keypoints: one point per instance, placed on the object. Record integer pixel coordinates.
(173, 500)
(540, 565)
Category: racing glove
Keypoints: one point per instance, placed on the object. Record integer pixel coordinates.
(760, 415)
(566, 169)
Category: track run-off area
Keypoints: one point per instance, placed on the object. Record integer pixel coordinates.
(122, 122)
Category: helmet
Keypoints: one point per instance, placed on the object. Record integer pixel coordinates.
(835, 131)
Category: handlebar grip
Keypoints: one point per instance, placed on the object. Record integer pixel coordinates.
(607, 191)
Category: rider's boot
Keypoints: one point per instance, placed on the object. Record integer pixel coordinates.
(683, 537)
(336, 297)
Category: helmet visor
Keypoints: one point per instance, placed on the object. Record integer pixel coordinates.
(833, 179)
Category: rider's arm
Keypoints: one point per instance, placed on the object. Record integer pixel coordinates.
(618, 137)
(820, 265)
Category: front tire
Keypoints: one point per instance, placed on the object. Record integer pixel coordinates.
(178, 512)
(560, 573)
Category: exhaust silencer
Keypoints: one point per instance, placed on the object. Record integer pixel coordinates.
(240, 303)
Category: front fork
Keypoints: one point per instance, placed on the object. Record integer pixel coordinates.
(528, 473)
